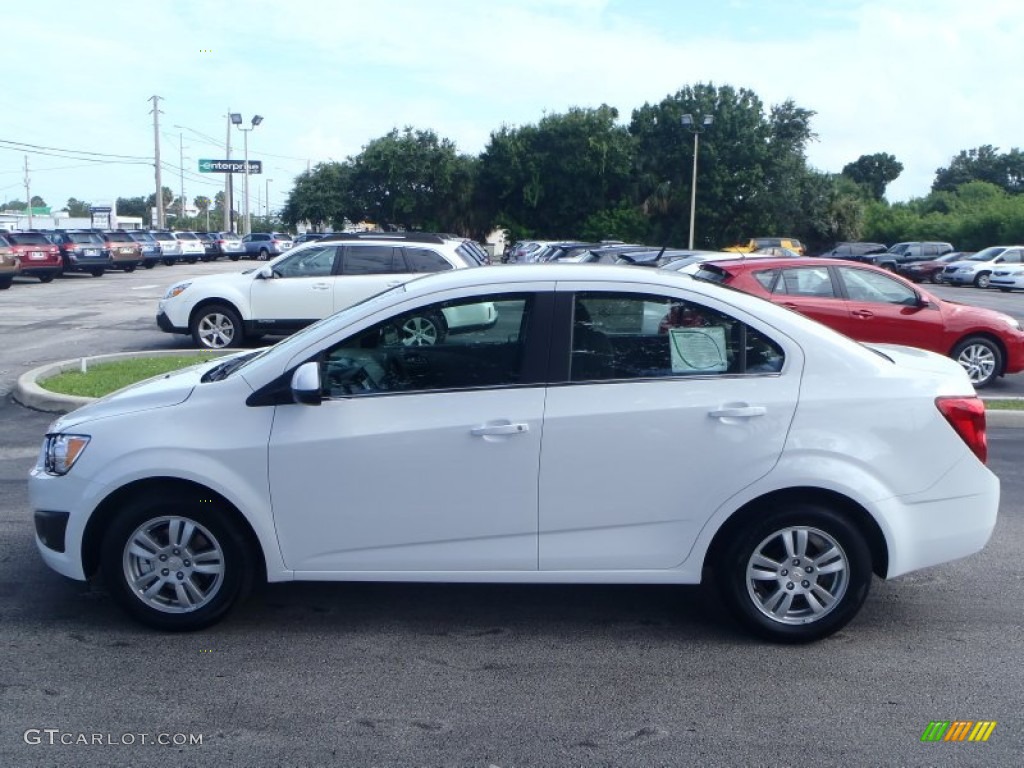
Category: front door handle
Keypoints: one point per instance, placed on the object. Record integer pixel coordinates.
(862, 313)
(738, 412)
(499, 429)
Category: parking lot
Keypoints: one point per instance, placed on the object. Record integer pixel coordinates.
(373, 674)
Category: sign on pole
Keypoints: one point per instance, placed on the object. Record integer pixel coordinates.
(229, 166)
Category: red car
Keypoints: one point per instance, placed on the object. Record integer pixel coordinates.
(39, 257)
(873, 305)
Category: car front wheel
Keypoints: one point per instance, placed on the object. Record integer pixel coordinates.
(796, 574)
(216, 326)
(981, 358)
(176, 563)
(982, 280)
(423, 330)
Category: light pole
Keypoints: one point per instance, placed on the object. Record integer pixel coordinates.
(236, 118)
(267, 201)
(696, 129)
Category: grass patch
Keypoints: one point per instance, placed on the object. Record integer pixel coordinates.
(103, 378)
(1004, 405)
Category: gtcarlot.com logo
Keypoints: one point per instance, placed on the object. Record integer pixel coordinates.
(958, 730)
(55, 736)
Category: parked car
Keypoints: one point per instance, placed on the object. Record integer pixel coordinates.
(10, 264)
(1007, 278)
(210, 249)
(192, 248)
(306, 237)
(305, 285)
(125, 253)
(82, 251)
(265, 245)
(976, 270)
(930, 271)
(37, 255)
(905, 253)
(152, 251)
(821, 461)
(855, 251)
(779, 251)
(873, 305)
(768, 242)
(229, 244)
(170, 246)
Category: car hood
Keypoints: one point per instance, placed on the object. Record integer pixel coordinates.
(163, 391)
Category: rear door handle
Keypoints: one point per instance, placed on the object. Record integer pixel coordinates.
(321, 286)
(863, 313)
(499, 429)
(739, 412)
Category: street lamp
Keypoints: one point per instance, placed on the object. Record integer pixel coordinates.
(236, 119)
(696, 129)
(267, 200)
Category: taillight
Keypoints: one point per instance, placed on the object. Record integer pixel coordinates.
(967, 416)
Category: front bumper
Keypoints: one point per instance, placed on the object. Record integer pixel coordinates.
(165, 324)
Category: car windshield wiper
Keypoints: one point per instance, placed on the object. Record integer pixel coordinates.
(226, 368)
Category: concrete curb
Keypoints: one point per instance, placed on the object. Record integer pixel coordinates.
(30, 394)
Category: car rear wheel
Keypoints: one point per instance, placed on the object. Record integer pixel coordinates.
(97, 272)
(176, 563)
(982, 280)
(6, 283)
(46, 278)
(169, 262)
(149, 264)
(235, 256)
(797, 573)
(981, 358)
(216, 326)
(130, 268)
(263, 255)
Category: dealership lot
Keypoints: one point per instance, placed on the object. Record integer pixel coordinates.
(476, 675)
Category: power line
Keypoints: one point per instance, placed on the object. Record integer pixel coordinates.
(22, 145)
(72, 157)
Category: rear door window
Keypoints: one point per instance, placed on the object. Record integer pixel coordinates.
(369, 260)
(425, 260)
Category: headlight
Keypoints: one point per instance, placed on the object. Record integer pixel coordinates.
(62, 451)
(174, 290)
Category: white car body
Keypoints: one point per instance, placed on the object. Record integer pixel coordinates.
(1008, 277)
(191, 246)
(269, 300)
(316, 489)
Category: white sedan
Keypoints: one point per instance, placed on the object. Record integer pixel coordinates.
(1007, 277)
(751, 444)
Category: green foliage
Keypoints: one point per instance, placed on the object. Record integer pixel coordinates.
(103, 378)
(133, 206)
(38, 202)
(626, 222)
(78, 208)
(15, 205)
(983, 163)
(874, 172)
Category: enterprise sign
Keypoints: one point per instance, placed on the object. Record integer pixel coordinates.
(229, 166)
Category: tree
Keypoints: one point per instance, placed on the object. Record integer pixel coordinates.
(15, 205)
(38, 202)
(319, 197)
(133, 206)
(983, 164)
(874, 172)
(77, 208)
(168, 196)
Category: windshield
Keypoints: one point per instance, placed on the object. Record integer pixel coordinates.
(987, 254)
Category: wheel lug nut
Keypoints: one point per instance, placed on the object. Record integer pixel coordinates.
(785, 572)
(177, 552)
(805, 584)
(163, 558)
(180, 575)
(187, 563)
(795, 561)
(790, 585)
(164, 572)
(809, 569)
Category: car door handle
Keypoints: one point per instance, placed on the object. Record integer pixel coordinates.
(321, 286)
(863, 313)
(499, 429)
(738, 412)
(789, 305)
(393, 283)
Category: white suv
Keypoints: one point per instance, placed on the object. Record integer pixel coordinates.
(308, 283)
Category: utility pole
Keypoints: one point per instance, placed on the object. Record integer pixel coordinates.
(28, 194)
(181, 167)
(229, 204)
(156, 162)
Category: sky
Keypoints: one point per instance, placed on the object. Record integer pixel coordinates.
(919, 79)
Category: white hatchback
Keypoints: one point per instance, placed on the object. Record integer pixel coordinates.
(748, 442)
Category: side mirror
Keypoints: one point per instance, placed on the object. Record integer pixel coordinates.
(306, 387)
(266, 273)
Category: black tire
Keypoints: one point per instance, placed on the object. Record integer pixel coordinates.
(170, 262)
(820, 538)
(193, 260)
(422, 330)
(263, 255)
(981, 357)
(98, 272)
(235, 256)
(6, 283)
(982, 280)
(149, 264)
(206, 259)
(192, 535)
(130, 268)
(46, 278)
(1005, 290)
(216, 326)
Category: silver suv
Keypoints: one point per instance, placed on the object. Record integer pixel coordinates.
(310, 282)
